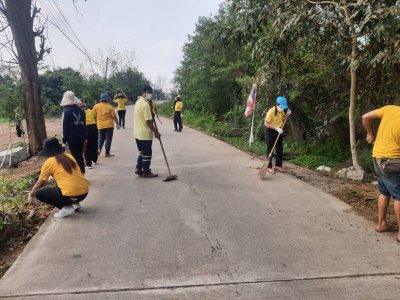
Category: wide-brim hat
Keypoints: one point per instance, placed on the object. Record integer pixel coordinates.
(104, 97)
(282, 101)
(69, 99)
(51, 147)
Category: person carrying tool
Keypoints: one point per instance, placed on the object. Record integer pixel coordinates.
(105, 115)
(273, 130)
(143, 130)
(178, 113)
(120, 98)
(386, 160)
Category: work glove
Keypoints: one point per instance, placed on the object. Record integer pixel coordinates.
(181, 115)
(31, 198)
(280, 130)
(288, 113)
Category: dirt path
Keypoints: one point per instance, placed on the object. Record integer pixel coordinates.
(7, 132)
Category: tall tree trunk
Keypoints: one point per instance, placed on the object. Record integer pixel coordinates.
(21, 22)
(353, 89)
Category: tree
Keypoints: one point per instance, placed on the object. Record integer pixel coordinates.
(20, 16)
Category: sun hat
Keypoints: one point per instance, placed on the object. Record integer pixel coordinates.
(51, 147)
(69, 99)
(104, 97)
(282, 101)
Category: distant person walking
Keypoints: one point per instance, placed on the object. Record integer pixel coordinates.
(71, 187)
(92, 137)
(143, 130)
(178, 113)
(120, 98)
(273, 128)
(105, 116)
(74, 127)
(386, 160)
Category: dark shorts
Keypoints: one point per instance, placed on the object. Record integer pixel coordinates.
(388, 183)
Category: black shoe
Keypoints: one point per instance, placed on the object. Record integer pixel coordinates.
(175, 130)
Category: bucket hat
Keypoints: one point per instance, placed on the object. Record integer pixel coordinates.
(69, 99)
(104, 97)
(51, 147)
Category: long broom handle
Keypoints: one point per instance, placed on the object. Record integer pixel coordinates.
(162, 148)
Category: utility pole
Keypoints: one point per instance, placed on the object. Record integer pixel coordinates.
(105, 77)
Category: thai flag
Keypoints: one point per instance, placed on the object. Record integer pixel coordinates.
(251, 101)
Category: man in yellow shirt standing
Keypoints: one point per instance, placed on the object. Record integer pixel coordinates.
(386, 160)
(178, 112)
(105, 115)
(143, 130)
(120, 98)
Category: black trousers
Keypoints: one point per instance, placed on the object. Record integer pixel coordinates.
(178, 121)
(145, 154)
(76, 149)
(121, 117)
(54, 197)
(105, 137)
(270, 138)
(92, 144)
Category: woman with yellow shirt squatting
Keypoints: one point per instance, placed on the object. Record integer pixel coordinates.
(71, 187)
(105, 115)
(273, 123)
(120, 98)
(178, 113)
(92, 137)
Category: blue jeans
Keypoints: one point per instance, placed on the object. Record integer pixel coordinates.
(144, 157)
(388, 183)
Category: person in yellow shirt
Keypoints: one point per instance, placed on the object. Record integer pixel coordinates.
(120, 98)
(143, 130)
(92, 137)
(105, 115)
(273, 124)
(178, 113)
(386, 160)
(71, 187)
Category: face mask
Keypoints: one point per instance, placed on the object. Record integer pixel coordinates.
(149, 96)
(280, 109)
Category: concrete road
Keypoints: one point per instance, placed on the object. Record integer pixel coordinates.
(218, 232)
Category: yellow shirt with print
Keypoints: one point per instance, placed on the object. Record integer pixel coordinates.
(387, 143)
(178, 106)
(141, 114)
(121, 103)
(70, 184)
(275, 120)
(105, 115)
(90, 117)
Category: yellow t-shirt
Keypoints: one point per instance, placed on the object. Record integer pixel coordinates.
(105, 115)
(70, 184)
(275, 120)
(121, 103)
(387, 143)
(90, 120)
(178, 106)
(141, 114)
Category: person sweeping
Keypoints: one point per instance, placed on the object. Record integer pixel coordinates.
(273, 124)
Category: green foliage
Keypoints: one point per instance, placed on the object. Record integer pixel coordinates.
(313, 161)
(365, 157)
(13, 192)
(10, 98)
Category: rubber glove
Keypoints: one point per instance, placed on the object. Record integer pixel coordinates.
(280, 130)
(288, 113)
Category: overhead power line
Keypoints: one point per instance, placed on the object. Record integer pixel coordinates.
(56, 17)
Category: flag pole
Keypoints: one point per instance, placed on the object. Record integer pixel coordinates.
(251, 138)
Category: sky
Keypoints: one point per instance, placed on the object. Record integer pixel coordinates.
(155, 30)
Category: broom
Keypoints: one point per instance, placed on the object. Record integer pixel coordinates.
(264, 167)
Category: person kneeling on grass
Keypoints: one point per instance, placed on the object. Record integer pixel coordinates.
(71, 187)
